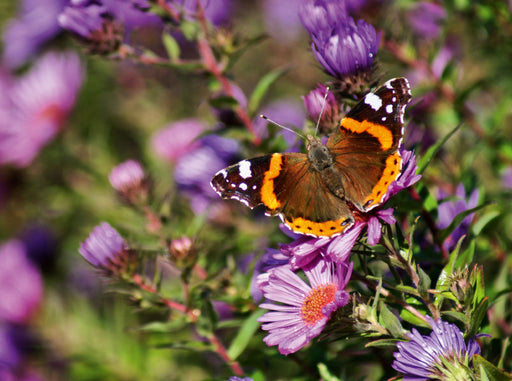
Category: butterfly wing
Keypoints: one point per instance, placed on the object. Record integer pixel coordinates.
(365, 145)
(287, 186)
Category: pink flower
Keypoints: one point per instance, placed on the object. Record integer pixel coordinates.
(34, 107)
(299, 311)
(21, 284)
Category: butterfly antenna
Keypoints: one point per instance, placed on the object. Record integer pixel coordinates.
(283, 127)
(322, 109)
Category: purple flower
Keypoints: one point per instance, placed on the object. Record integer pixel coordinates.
(506, 178)
(195, 169)
(448, 210)
(282, 20)
(426, 19)
(217, 12)
(407, 176)
(177, 139)
(443, 355)
(35, 25)
(320, 103)
(130, 181)
(343, 47)
(104, 23)
(285, 112)
(299, 311)
(34, 107)
(21, 284)
(235, 378)
(105, 249)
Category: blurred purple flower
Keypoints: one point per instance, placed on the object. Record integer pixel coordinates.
(235, 378)
(285, 112)
(195, 169)
(318, 105)
(448, 210)
(426, 19)
(300, 314)
(40, 244)
(21, 284)
(217, 12)
(35, 25)
(103, 23)
(10, 352)
(105, 248)
(85, 19)
(131, 182)
(343, 47)
(282, 19)
(506, 178)
(177, 139)
(443, 355)
(35, 106)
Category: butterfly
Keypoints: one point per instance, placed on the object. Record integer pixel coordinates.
(317, 193)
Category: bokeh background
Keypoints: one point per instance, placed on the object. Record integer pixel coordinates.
(63, 320)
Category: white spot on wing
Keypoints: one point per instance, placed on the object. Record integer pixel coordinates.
(243, 186)
(373, 101)
(389, 109)
(245, 169)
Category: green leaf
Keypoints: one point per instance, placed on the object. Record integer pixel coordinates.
(486, 369)
(424, 283)
(477, 317)
(425, 160)
(207, 321)
(457, 316)
(484, 220)
(171, 46)
(390, 321)
(245, 334)
(407, 289)
(383, 343)
(466, 257)
(325, 374)
(223, 101)
(262, 87)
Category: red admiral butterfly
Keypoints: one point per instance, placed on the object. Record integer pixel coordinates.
(316, 193)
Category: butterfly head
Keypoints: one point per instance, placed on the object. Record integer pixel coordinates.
(318, 154)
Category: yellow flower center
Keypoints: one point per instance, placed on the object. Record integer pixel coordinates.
(315, 301)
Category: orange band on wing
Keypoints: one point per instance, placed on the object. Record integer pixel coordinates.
(390, 174)
(383, 134)
(268, 197)
(318, 229)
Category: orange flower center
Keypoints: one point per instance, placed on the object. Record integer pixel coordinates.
(317, 299)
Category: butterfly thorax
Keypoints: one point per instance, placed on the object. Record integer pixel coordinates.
(322, 161)
(319, 155)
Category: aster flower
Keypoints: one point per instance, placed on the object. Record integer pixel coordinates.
(443, 355)
(217, 12)
(320, 103)
(195, 169)
(21, 284)
(281, 19)
(35, 25)
(299, 311)
(285, 112)
(177, 139)
(103, 24)
(105, 249)
(448, 210)
(34, 107)
(130, 181)
(426, 19)
(344, 48)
